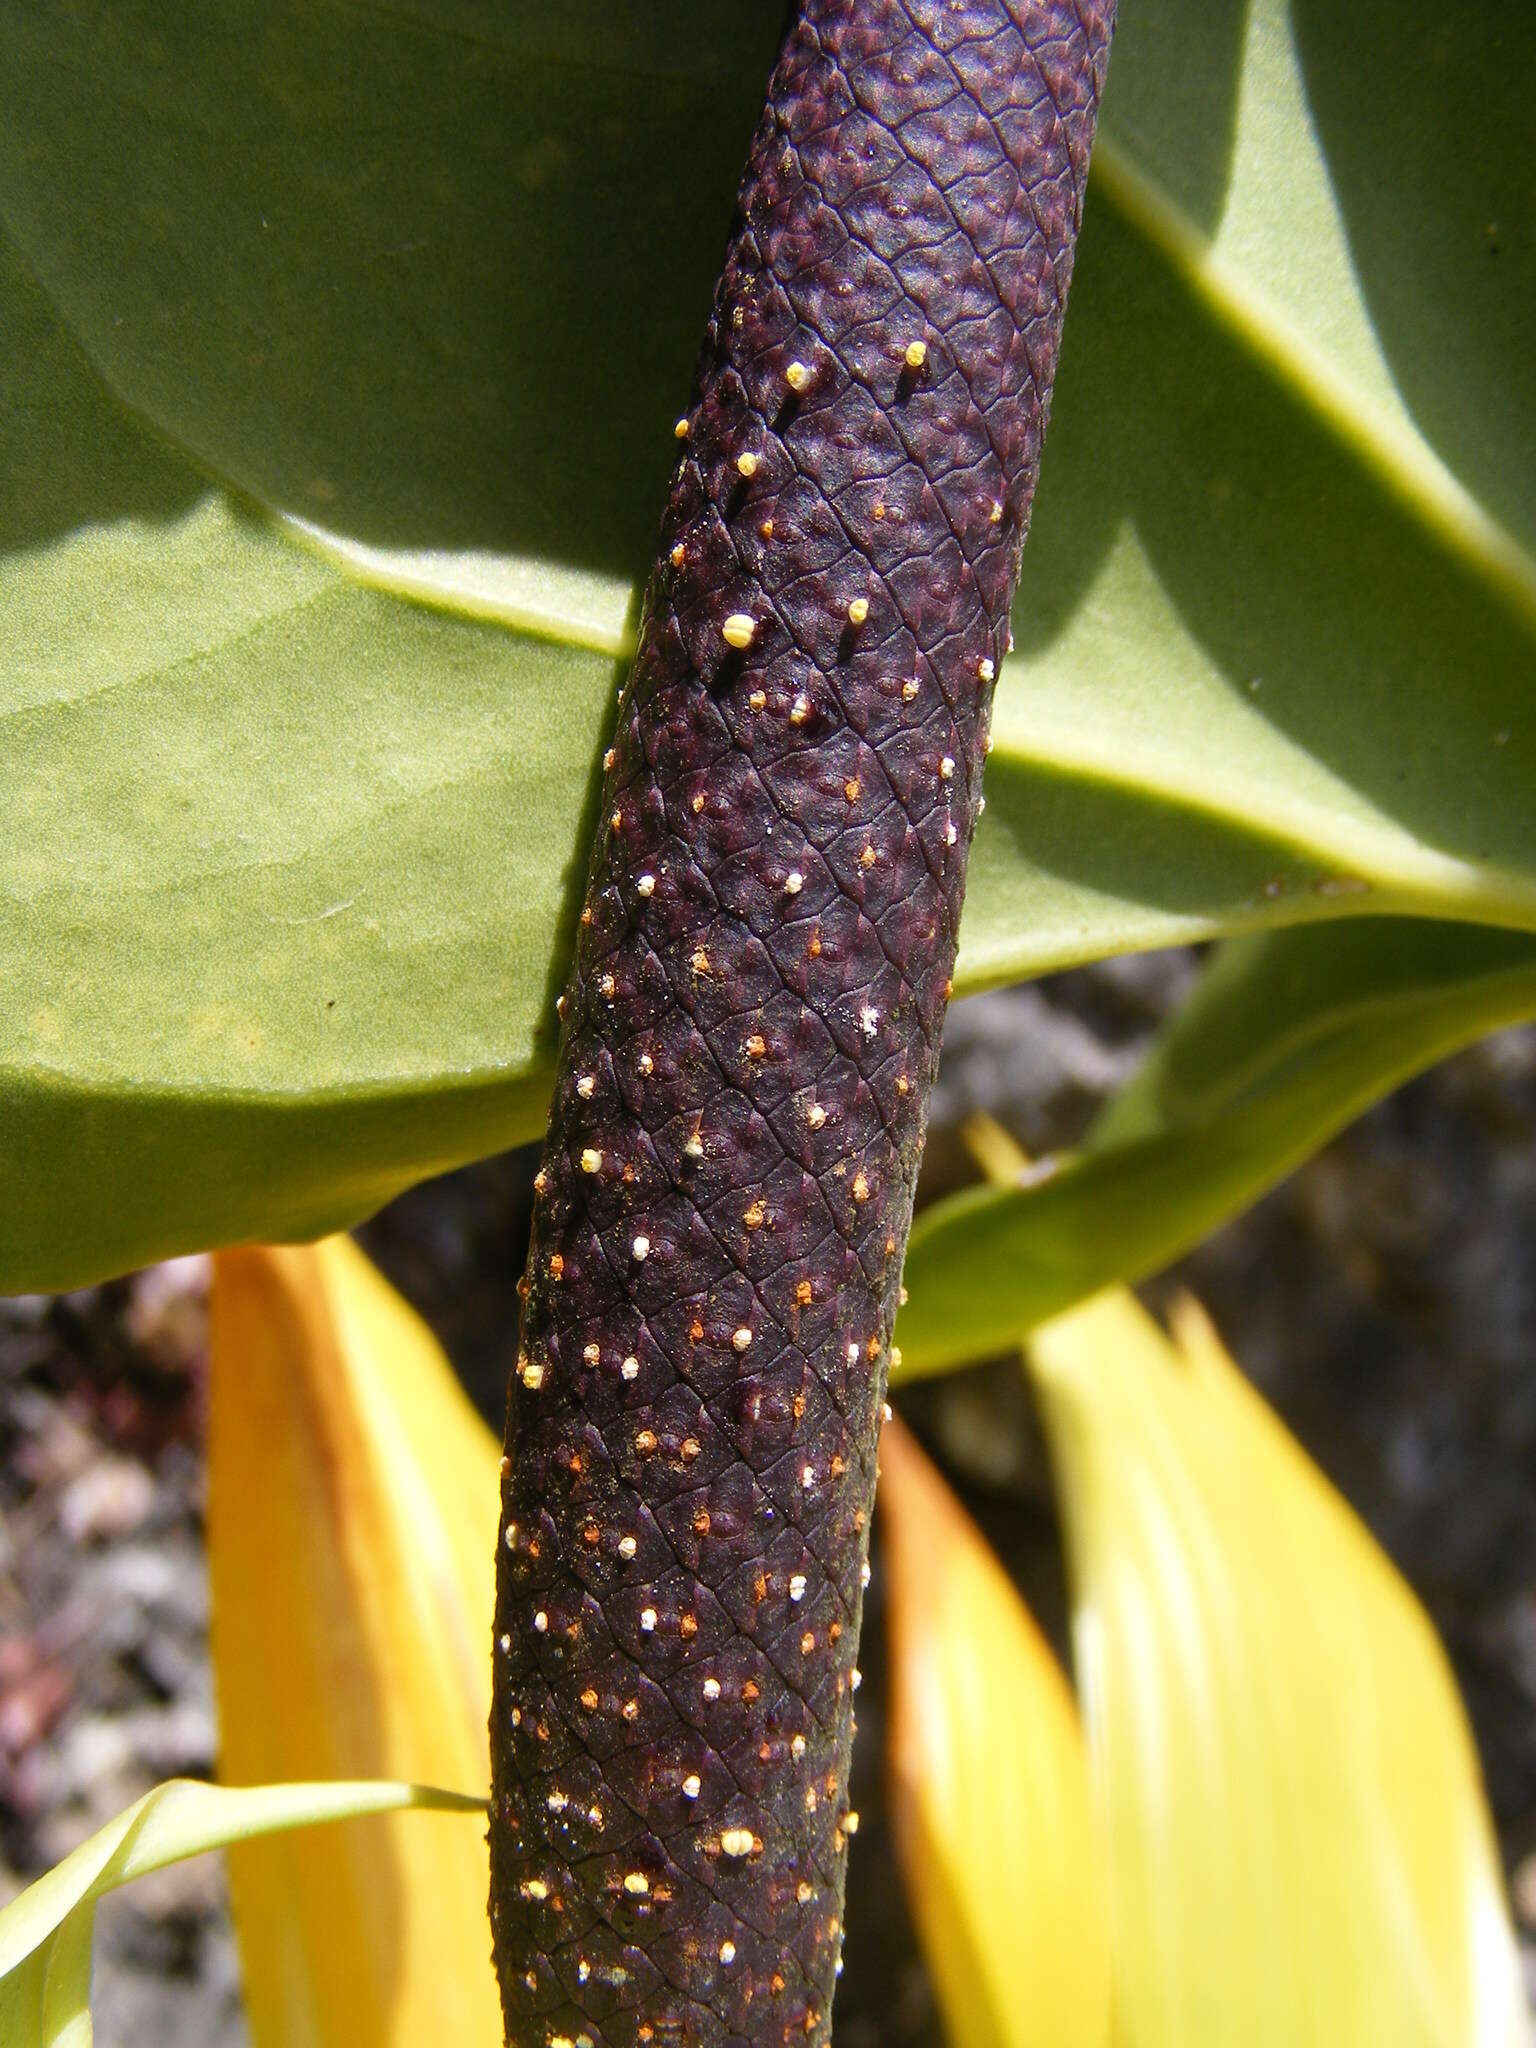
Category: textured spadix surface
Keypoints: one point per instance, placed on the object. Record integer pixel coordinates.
(752, 1023)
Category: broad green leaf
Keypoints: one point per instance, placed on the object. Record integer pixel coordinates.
(1287, 1037)
(1345, 150)
(993, 1814)
(45, 1934)
(352, 1542)
(342, 344)
(1299, 1848)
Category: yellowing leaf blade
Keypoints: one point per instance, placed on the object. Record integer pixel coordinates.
(990, 1787)
(352, 1530)
(1300, 1850)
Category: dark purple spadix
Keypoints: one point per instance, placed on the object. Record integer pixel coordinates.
(752, 1025)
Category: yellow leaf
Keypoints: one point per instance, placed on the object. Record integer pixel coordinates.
(1299, 1847)
(990, 1792)
(352, 1532)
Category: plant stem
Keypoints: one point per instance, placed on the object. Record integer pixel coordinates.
(752, 1025)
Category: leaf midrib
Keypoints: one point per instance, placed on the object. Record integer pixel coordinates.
(1399, 460)
(1379, 850)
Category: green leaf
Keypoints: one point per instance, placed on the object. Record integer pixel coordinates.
(45, 1934)
(46, 2000)
(342, 345)
(1287, 1037)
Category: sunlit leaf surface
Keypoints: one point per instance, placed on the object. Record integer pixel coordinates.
(1299, 1848)
(342, 343)
(991, 1799)
(352, 1533)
